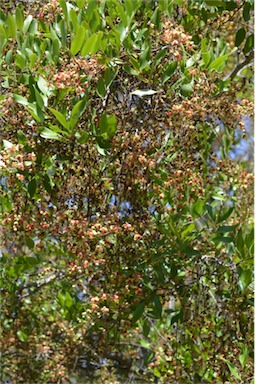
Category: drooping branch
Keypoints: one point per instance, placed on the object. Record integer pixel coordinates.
(241, 65)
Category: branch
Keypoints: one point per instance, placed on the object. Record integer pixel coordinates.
(241, 65)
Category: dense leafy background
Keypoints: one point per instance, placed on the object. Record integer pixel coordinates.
(126, 196)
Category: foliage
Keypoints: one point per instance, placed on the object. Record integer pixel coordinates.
(127, 232)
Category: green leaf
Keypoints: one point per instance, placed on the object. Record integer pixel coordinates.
(138, 312)
(39, 99)
(101, 150)
(143, 92)
(162, 53)
(19, 16)
(12, 27)
(22, 336)
(144, 60)
(61, 299)
(243, 357)
(233, 369)
(245, 276)
(186, 89)
(223, 239)
(6, 204)
(225, 215)
(215, 3)
(30, 243)
(20, 61)
(77, 111)
(20, 99)
(8, 57)
(227, 228)
(43, 86)
(21, 137)
(146, 328)
(196, 209)
(32, 60)
(169, 71)
(80, 3)
(219, 63)
(27, 23)
(249, 44)
(78, 41)
(107, 126)
(82, 137)
(63, 30)
(240, 36)
(157, 310)
(246, 11)
(205, 52)
(61, 118)
(49, 134)
(101, 90)
(47, 183)
(92, 45)
(32, 187)
(68, 300)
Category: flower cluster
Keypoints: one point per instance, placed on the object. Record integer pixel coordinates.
(77, 73)
(176, 39)
(49, 11)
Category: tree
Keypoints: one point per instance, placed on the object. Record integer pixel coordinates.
(127, 226)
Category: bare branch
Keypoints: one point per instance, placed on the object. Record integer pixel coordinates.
(240, 66)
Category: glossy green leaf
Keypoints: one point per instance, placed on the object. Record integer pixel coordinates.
(43, 86)
(225, 215)
(233, 369)
(80, 3)
(19, 17)
(243, 357)
(12, 27)
(92, 45)
(47, 183)
(101, 90)
(186, 89)
(240, 36)
(9, 57)
(249, 44)
(49, 134)
(20, 99)
(246, 10)
(227, 228)
(223, 239)
(27, 23)
(78, 41)
(61, 118)
(77, 111)
(21, 137)
(32, 60)
(68, 300)
(20, 61)
(215, 3)
(169, 71)
(138, 312)
(219, 63)
(63, 30)
(22, 336)
(157, 307)
(32, 187)
(82, 137)
(30, 243)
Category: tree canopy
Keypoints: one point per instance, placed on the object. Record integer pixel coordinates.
(126, 207)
